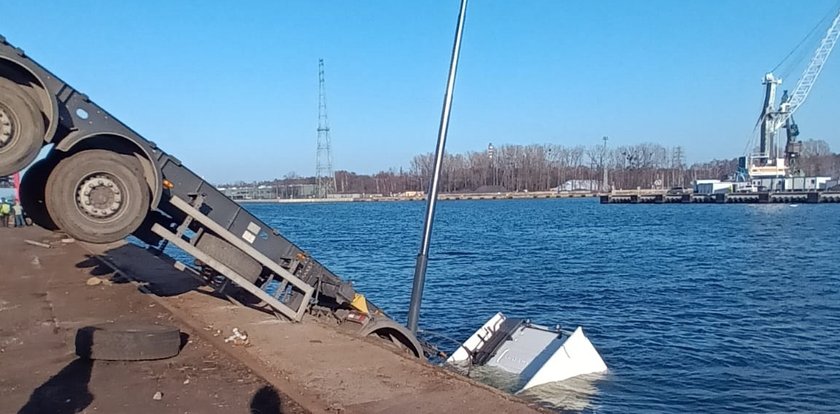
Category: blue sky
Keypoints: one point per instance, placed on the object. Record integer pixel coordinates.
(230, 88)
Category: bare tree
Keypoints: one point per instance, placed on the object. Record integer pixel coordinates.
(542, 167)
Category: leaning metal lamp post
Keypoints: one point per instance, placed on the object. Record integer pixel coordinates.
(423, 255)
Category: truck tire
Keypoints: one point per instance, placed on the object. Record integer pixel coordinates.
(32, 187)
(128, 342)
(394, 334)
(21, 128)
(98, 196)
(230, 256)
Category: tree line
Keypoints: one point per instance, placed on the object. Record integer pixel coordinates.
(544, 167)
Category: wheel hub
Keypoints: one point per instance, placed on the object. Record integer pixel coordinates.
(7, 127)
(100, 196)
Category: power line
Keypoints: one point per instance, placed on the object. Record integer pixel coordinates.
(810, 34)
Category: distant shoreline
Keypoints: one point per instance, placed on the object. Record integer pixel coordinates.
(443, 197)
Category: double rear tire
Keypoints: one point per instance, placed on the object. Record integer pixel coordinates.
(97, 196)
(32, 192)
(22, 128)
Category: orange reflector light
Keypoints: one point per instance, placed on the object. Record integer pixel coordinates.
(168, 184)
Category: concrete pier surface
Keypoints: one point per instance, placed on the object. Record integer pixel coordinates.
(45, 298)
(304, 367)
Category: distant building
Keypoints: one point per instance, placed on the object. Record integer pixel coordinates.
(712, 187)
(413, 194)
(238, 193)
(298, 191)
(792, 183)
(763, 184)
(270, 192)
(580, 185)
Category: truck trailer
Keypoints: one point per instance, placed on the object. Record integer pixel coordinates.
(101, 182)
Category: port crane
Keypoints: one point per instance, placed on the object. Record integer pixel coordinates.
(771, 161)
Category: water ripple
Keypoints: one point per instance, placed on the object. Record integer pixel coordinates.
(695, 308)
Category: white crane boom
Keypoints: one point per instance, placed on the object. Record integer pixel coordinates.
(767, 162)
(806, 82)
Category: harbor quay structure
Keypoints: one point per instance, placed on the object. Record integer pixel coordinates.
(311, 191)
(270, 192)
(789, 190)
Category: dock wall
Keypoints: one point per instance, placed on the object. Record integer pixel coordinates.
(809, 197)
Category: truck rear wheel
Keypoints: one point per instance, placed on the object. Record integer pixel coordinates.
(21, 128)
(98, 196)
(32, 187)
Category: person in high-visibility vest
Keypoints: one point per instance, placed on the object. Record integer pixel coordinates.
(5, 211)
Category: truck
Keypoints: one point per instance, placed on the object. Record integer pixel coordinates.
(101, 182)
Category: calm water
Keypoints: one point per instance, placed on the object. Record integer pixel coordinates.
(695, 308)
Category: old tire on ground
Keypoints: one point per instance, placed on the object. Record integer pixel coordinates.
(98, 196)
(128, 342)
(230, 256)
(395, 334)
(32, 187)
(21, 128)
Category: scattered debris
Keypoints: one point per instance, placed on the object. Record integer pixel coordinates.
(39, 244)
(94, 281)
(186, 381)
(158, 396)
(68, 240)
(238, 338)
(36, 261)
(4, 306)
